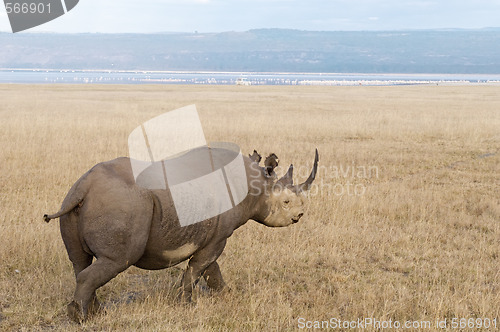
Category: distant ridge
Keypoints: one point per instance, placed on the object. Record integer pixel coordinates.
(453, 51)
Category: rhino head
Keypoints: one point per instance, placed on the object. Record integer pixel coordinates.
(280, 203)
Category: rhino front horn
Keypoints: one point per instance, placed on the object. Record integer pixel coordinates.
(307, 184)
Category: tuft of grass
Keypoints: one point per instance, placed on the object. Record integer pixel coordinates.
(417, 241)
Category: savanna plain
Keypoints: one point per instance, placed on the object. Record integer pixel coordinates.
(403, 223)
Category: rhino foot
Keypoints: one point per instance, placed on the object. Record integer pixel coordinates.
(184, 297)
(78, 315)
(218, 290)
(75, 312)
(224, 290)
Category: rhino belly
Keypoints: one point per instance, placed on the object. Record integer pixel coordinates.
(166, 258)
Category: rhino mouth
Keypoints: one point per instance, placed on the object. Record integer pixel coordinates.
(297, 218)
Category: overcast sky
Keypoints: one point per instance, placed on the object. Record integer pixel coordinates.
(142, 16)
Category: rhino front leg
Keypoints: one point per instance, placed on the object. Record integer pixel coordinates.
(214, 279)
(197, 265)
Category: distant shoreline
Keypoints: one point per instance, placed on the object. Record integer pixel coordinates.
(110, 76)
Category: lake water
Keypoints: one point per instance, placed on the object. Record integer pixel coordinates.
(30, 76)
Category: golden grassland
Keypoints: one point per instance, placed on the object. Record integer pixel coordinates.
(418, 240)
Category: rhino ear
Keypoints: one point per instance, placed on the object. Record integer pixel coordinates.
(287, 179)
(270, 164)
(255, 156)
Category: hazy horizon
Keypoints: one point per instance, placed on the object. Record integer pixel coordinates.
(34, 31)
(213, 16)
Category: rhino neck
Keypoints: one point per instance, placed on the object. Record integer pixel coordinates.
(258, 205)
(258, 192)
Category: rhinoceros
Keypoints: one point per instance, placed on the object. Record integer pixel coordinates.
(106, 215)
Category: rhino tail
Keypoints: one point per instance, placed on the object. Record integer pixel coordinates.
(73, 199)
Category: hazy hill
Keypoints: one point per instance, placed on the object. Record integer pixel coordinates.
(432, 51)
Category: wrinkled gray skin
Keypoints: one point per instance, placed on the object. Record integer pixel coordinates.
(107, 216)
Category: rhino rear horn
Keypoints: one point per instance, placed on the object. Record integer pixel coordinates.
(307, 184)
(287, 179)
(271, 163)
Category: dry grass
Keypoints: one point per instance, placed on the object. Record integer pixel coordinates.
(420, 243)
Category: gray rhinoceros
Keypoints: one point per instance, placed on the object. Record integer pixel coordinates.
(108, 216)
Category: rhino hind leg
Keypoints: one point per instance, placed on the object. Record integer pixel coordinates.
(77, 313)
(80, 260)
(85, 302)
